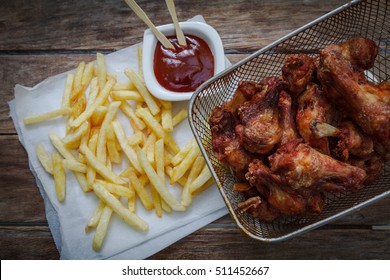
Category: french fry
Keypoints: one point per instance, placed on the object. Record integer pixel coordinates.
(140, 190)
(131, 202)
(67, 90)
(159, 158)
(100, 99)
(179, 117)
(94, 220)
(165, 206)
(156, 202)
(154, 109)
(128, 150)
(47, 116)
(203, 187)
(74, 165)
(101, 153)
(87, 74)
(110, 200)
(44, 159)
(157, 129)
(203, 177)
(158, 183)
(57, 143)
(129, 111)
(165, 104)
(186, 198)
(123, 95)
(176, 159)
(135, 139)
(101, 229)
(101, 70)
(98, 115)
(73, 138)
(182, 181)
(124, 86)
(79, 75)
(91, 173)
(93, 91)
(185, 164)
(166, 120)
(78, 107)
(99, 167)
(159, 162)
(117, 189)
(112, 149)
(59, 176)
(149, 147)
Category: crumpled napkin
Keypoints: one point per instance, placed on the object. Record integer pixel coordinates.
(67, 220)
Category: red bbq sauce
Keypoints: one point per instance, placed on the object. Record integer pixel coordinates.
(184, 68)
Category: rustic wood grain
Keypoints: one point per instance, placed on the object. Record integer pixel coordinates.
(86, 25)
(214, 243)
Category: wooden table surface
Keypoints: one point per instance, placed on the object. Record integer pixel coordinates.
(39, 39)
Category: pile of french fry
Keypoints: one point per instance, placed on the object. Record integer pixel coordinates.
(95, 141)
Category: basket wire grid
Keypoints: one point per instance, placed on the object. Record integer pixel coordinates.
(366, 18)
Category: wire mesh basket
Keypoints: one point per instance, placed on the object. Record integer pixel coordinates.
(366, 18)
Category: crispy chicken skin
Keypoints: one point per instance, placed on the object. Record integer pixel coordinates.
(286, 117)
(360, 52)
(226, 143)
(304, 167)
(313, 107)
(351, 140)
(297, 71)
(279, 194)
(344, 82)
(259, 129)
(372, 164)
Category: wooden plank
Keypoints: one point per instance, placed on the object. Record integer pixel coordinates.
(19, 194)
(214, 243)
(222, 243)
(65, 25)
(27, 243)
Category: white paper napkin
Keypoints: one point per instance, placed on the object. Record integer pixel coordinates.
(67, 220)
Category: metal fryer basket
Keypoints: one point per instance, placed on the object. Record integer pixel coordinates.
(366, 18)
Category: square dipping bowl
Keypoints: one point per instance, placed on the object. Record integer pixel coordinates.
(195, 28)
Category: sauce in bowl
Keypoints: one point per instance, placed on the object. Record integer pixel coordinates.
(184, 68)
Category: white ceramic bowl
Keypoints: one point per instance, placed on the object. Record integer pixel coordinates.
(195, 28)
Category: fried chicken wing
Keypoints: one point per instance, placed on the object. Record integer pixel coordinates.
(279, 194)
(344, 82)
(320, 128)
(360, 52)
(350, 139)
(372, 164)
(298, 70)
(226, 143)
(245, 91)
(260, 129)
(287, 123)
(313, 107)
(304, 167)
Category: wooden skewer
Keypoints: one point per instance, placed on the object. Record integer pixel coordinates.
(179, 33)
(141, 14)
